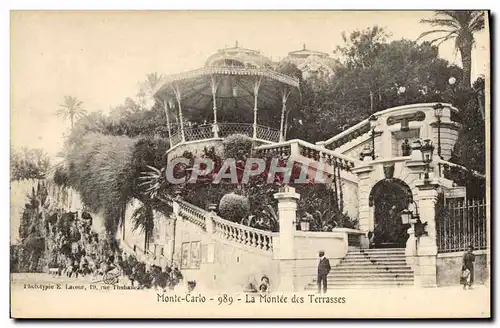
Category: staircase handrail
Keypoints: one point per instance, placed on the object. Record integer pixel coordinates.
(349, 161)
(360, 125)
(242, 234)
(475, 173)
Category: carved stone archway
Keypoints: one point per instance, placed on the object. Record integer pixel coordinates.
(388, 198)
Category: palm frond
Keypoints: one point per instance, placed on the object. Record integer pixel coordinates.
(424, 34)
(477, 22)
(441, 22)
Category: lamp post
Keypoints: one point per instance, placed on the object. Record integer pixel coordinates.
(427, 149)
(373, 125)
(438, 113)
(408, 217)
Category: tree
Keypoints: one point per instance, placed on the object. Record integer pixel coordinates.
(360, 52)
(362, 86)
(71, 109)
(28, 164)
(143, 218)
(459, 26)
(148, 88)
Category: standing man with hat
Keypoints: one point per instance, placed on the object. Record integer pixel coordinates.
(323, 270)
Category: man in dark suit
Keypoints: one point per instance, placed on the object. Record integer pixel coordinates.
(323, 270)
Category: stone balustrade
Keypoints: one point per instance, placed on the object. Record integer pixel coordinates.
(193, 214)
(316, 153)
(242, 234)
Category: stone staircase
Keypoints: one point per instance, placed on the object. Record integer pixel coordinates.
(370, 268)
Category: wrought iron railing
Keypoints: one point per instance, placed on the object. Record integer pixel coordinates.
(461, 223)
(224, 130)
(198, 132)
(267, 133)
(227, 129)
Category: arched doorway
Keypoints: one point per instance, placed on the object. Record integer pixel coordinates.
(388, 198)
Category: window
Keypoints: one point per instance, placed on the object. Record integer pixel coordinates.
(191, 255)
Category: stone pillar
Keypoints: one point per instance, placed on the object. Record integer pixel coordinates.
(287, 208)
(425, 265)
(364, 188)
(209, 223)
(411, 247)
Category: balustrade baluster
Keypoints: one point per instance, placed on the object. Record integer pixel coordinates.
(238, 235)
(253, 239)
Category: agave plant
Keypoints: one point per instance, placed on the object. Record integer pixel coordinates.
(153, 181)
(265, 219)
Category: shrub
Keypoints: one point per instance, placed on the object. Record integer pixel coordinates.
(237, 146)
(234, 207)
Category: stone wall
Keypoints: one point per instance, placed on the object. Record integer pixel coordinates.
(307, 245)
(449, 266)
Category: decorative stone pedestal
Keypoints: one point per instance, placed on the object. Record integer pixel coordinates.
(425, 267)
(411, 248)
(287, 208)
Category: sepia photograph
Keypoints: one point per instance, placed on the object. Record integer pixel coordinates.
(250, 164)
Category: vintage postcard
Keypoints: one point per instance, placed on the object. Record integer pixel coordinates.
(250, 164)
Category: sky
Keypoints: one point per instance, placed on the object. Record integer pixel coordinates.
(100, 57)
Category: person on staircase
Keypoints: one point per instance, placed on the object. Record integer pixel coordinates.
(323, 270)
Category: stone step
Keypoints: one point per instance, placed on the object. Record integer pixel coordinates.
(363, 285)
(372, 268)
(371, 257)
(374, 255)
(381, 250)
(370, 274)
(370, 278)
(374, 262)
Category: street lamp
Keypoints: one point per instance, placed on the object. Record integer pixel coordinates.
(427, 149)
(408, 217)
(373, 125)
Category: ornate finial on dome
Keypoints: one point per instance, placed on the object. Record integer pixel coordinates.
(304, 47)
(236, 43)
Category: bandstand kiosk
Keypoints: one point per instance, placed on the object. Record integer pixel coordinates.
(234, 80)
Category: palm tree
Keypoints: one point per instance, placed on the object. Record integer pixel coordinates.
(148, 88)
(458, 25)
(71, 109)
(143, 219)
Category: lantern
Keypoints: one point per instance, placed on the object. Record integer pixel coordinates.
(438, 110)
(304, 225)
(406, 216)
(427, 150)
(373, 121)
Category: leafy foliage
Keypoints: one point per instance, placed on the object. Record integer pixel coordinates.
(459, 26)
(100, 169)
(143, 219)
(71, 109)
(26, 164)
(234, 207)
(372, 77)
(237, 146)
